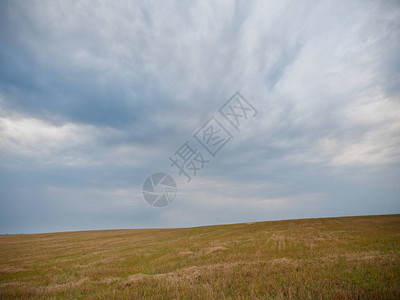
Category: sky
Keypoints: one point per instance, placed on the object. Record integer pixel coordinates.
(95, 96)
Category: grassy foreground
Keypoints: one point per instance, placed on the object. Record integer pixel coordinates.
(335, 258)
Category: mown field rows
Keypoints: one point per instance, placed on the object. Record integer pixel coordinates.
(334, 258)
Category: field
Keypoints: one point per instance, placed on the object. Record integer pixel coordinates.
(334, 258)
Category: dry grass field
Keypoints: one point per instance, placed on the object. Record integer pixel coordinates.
(334, 258)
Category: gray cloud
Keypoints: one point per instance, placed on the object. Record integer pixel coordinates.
(95, 96)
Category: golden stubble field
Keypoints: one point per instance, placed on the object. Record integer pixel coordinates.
(334, 258)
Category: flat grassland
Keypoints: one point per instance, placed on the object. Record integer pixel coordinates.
(334, 258)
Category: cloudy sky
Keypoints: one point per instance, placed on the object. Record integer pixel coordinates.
(97, 95)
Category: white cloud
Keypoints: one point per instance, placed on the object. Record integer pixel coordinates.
(71, 145)
(322, 75)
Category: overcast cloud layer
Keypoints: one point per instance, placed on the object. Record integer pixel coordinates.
(95, 96)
